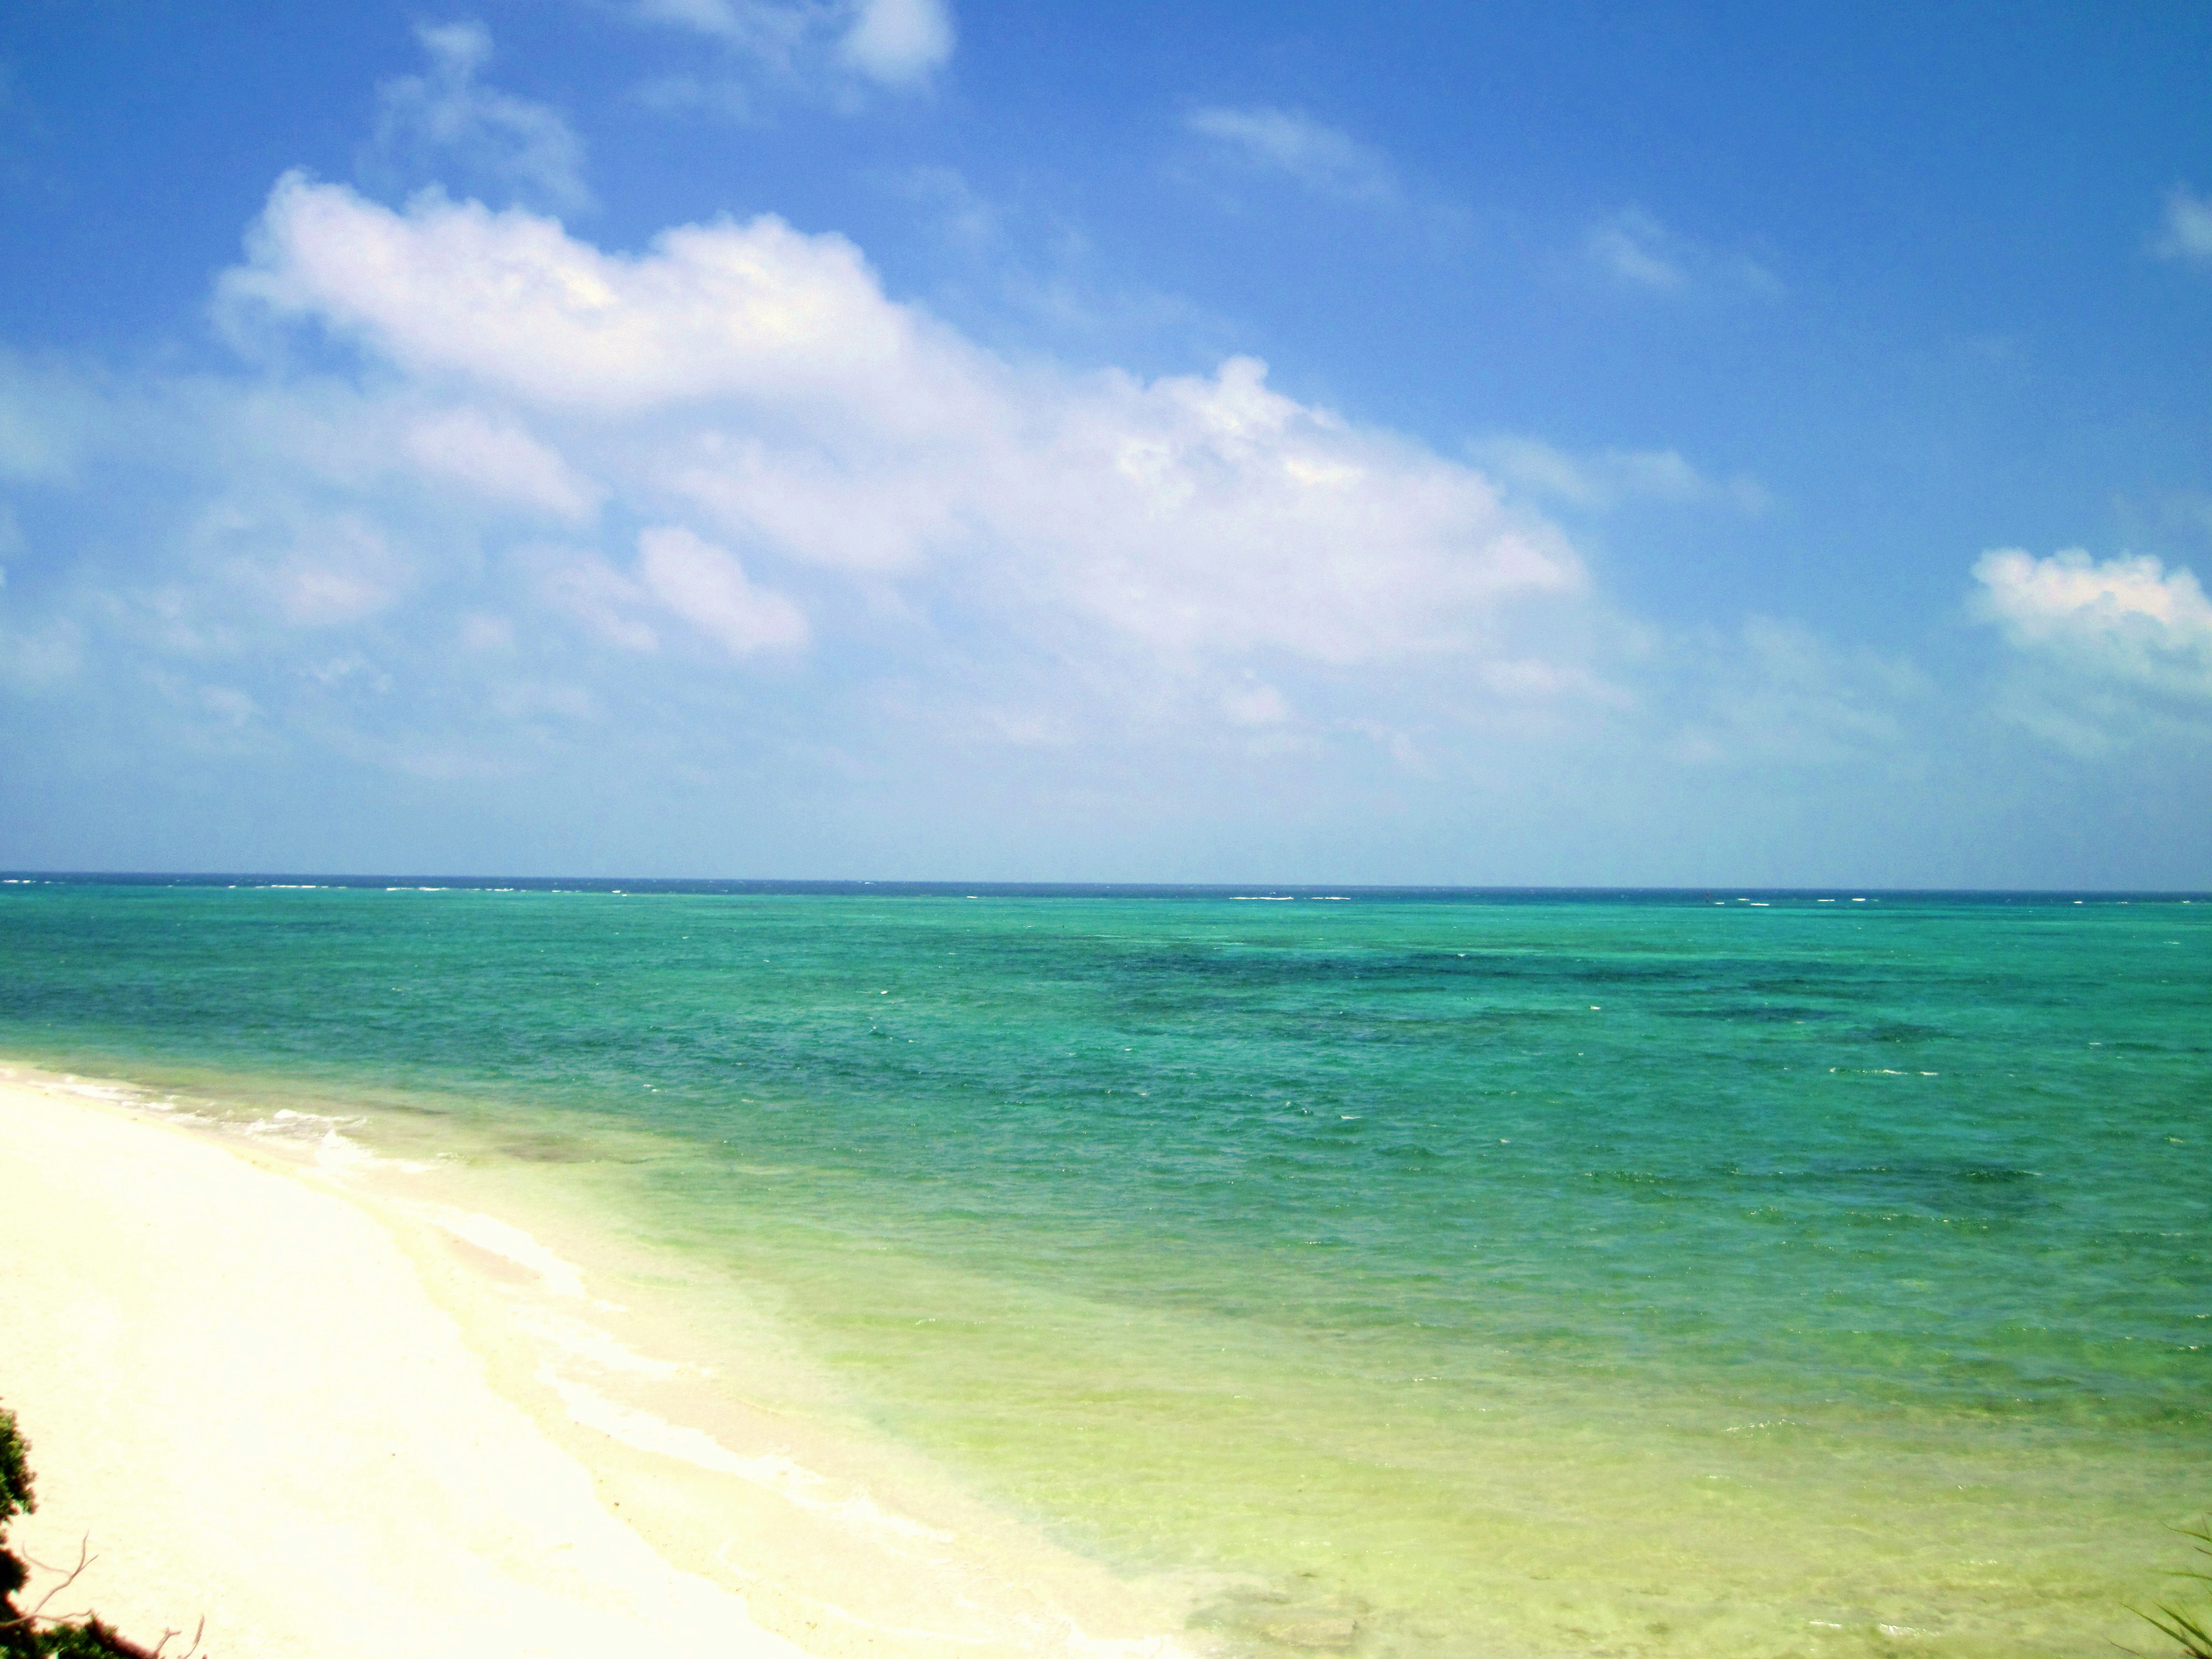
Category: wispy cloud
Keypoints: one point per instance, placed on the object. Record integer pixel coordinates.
(1323, 158)
(961, 212)
(1636, 250)
(1632, 246)
(446, 124)
(899, 45)
(758, 27)
(1602, 480)
(499, 459)
(2187, 231)
(1780, 694)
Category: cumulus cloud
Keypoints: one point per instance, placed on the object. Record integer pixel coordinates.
(510, 302)
(725, 496)
(2187, 232)
(1635, 249)
(1320, 157)
(2128, 620)
(445, 124)
(756, 382)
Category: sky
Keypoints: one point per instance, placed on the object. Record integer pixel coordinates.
(1494, 444)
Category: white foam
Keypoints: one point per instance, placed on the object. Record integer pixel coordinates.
(334, 1149)
(772, 1472)
(99, 1091)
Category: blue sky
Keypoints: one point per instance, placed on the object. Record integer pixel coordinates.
(1484, 444)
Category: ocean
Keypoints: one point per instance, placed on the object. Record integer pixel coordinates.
(1402, 1273)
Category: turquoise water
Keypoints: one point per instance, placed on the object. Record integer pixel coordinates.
(1671, 1273)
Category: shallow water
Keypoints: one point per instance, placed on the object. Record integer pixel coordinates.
(1700, 1274)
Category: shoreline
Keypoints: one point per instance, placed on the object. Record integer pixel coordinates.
(284, 1382)
(1816, 1335)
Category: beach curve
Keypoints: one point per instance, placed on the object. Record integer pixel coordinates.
(244, 1399)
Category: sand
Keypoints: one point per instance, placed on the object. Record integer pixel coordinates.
(321, 1402)
(239, 1395)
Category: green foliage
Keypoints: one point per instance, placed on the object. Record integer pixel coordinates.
(2185, 1628)
(70, 1642)
(18, 1640)
(88, 1639)
(14, 1472)
(24, 1634)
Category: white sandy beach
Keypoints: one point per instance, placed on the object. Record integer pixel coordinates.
(241, 1391)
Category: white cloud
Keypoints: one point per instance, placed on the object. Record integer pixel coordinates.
(898, 43)
(498, 459)
(963, 214)
(1632, 247)
(677, 573)
(1320, 157)
(2187, 234)
(1605, 479)
(2126, 620)
(727, 20)
(324, 573)
(48, 419)
(588, 589)
(446, 124)
(795, 409)
(1255, 704)
(510, 302)
(40, 659)
(705, 585)
(481, 630)
(1080, 602)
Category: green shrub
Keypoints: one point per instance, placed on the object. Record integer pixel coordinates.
(26, 1633)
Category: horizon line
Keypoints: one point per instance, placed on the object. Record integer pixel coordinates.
(1040, 887)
